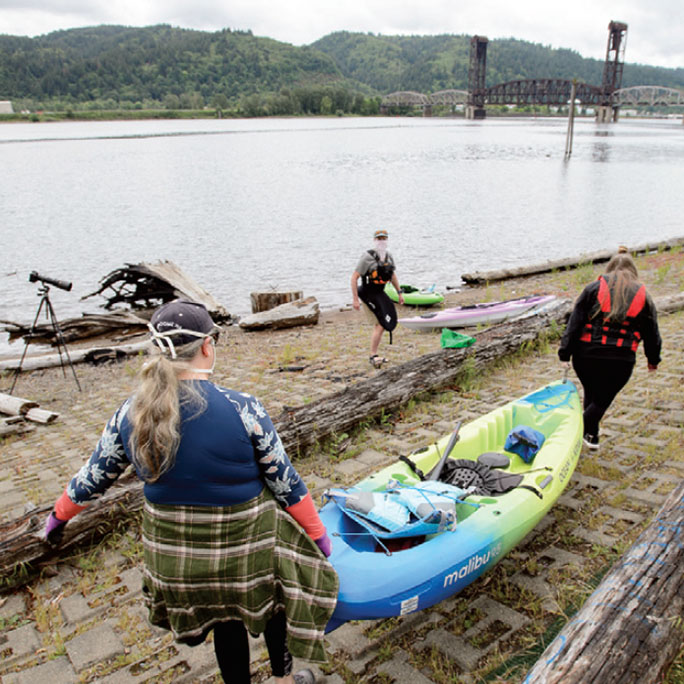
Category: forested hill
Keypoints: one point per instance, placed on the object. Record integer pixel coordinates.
(147, 64)
(432, 63)
(116, 65)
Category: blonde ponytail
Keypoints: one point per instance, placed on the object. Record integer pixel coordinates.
(155, 412)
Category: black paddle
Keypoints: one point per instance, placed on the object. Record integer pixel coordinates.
(437, 470)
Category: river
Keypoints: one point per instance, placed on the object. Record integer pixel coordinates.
(244, 205)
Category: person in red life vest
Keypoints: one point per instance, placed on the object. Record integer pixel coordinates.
(375, 269)
(610, 318)
(231, 538)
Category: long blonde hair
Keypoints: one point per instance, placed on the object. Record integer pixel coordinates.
(624, 280)
(156, 408)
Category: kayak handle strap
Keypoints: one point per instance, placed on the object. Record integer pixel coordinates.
(413, 466)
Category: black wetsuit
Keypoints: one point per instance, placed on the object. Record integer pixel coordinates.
(372, 291)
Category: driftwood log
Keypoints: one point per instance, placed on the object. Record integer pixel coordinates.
(298, 428)
(263, 301)
(39, 415)
(15, 406)
(631, 628)
(90, 355)
(119, 324)
(289, 315)
(481, 277)
(302, 426)
(670, 304)
(147, 285)
(14, 425)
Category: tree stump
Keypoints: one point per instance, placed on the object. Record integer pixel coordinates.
(631, 628)
(265, 301)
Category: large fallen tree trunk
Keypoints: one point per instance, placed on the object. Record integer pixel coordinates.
(298, 428)
(631, 628)
(481, 277)
(394, 387)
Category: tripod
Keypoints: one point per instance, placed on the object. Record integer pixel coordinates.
(43, 290)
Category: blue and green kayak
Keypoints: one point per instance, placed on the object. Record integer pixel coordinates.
(467, 502)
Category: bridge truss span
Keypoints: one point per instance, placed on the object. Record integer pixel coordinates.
(449, 97)
(649, 95)
(541, 91)
(405, 98)
(409, 98)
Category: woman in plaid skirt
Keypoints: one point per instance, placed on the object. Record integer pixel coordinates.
(222, 551)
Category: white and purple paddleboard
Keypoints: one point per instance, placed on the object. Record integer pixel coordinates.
(476, 314)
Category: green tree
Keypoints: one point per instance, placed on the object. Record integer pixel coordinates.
(171, 101)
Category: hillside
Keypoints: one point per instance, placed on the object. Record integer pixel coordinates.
(152, 63)
(134, 68)
(432, 63)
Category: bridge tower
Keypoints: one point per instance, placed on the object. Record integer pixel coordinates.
(612, 71)
(475, 108)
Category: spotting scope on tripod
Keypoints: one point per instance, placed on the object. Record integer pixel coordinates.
(43, 290)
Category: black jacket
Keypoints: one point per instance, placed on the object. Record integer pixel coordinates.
(646, 323)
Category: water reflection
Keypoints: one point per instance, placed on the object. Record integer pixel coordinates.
(600, 152)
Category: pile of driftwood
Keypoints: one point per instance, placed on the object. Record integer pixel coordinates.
(135, 287)
(18, 413)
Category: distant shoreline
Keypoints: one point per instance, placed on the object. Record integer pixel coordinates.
(190, 114)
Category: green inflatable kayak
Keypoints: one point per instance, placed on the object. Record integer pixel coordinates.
(413, 296)
(423, 528)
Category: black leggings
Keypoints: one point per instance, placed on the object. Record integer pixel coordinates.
(601, 379)
(232, 649)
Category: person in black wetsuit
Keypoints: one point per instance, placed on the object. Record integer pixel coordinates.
(611, 316)
(375, 269)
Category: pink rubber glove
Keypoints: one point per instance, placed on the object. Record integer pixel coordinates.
(324, 544)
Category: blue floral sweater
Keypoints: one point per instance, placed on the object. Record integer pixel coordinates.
(226, 455)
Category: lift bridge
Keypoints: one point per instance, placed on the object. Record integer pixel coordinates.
(606, 98)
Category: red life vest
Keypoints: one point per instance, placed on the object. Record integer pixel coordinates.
(613, 333)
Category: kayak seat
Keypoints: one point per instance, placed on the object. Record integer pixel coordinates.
(479, 477)
(494, 459)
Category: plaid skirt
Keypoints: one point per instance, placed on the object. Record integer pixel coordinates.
(209, 564)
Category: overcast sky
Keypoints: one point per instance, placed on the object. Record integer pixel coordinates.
(654, 35)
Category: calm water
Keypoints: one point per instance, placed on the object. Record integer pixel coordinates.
(253, 204)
